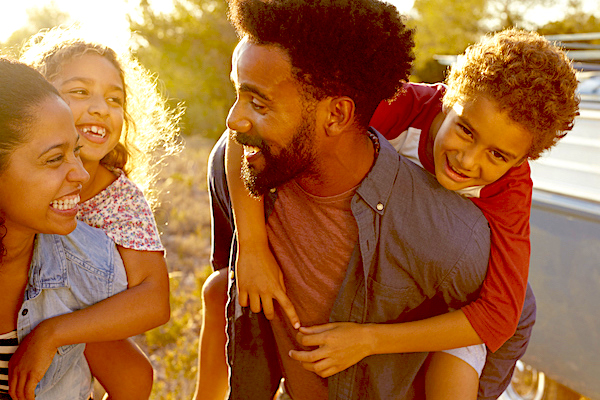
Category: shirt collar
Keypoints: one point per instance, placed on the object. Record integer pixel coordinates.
(377, 186)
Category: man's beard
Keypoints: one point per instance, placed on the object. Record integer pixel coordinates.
(292, 160)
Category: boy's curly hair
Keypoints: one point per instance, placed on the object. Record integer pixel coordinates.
(150, 127)
(356, 48)
(528, 77)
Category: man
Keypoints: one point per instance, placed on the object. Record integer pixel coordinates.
(361, 235)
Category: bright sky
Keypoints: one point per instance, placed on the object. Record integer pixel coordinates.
(109, 15)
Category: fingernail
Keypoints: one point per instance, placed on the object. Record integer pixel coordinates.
(297, 325)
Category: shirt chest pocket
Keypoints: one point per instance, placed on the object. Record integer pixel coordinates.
(64, 359)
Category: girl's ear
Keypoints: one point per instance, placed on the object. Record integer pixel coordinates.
(340, 114)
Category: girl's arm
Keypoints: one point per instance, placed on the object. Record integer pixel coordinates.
(259, 278)
(143, 306)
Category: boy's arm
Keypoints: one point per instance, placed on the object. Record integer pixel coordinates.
(343, 344)
(259, 278)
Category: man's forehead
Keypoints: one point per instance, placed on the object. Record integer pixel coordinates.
(263, 64)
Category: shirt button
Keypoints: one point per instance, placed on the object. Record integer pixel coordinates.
(231, 275)
(380, 206)
(273, 190)
(24, 312)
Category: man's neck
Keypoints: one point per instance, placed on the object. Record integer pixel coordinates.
(343, 164)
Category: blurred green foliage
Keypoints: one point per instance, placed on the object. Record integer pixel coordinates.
(191, 50)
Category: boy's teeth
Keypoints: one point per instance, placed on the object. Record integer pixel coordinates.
(65, 204)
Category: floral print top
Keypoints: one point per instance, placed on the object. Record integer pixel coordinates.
(122, 212)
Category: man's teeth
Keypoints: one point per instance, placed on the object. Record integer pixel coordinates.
(66, 204)
(98, 130)
(249, 150)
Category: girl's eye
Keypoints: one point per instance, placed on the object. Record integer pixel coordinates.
(78, 91)
(116, 100)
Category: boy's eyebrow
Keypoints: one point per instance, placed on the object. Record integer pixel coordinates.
(466, 122)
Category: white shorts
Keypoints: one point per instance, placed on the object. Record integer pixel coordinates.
(472, 355)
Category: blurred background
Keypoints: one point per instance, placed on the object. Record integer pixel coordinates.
(188, 45)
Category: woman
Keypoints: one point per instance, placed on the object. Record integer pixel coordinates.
(44, 275)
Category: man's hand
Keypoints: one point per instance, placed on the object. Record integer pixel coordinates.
(28, 365)
(260, 280)
(341, 345)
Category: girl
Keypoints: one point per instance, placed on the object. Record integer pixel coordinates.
(125, 129)
(45, 276)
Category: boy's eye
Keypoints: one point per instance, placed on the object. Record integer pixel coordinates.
(497, 155)
(466, 131)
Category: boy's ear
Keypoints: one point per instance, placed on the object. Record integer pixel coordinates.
(445, 109)
(340, 115)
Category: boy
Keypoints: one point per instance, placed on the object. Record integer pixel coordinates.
(509, 98)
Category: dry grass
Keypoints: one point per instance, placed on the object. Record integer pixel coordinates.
(184, 221)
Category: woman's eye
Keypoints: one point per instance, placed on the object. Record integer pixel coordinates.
(56, 159)
(77, 150)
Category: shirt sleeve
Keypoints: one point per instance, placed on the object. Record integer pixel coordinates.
(506, 205)
(415, 106)
(122, 212)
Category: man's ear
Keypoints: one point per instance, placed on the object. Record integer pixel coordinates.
(340, 115)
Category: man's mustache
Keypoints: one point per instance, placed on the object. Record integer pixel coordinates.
(246, 140)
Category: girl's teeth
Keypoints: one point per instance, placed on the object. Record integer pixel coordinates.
(66, 204)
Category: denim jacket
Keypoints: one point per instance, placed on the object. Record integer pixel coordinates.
(421, 251)
(68, 273)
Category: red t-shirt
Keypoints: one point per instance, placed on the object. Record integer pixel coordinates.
(506, 204)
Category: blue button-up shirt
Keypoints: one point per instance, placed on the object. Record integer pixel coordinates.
(68, 273)
(422, 250)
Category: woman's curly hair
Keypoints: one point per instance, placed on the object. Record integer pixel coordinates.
(356, 48)
(529, 78)
(150, 129)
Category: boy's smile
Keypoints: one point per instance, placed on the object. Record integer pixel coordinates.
(477, 144)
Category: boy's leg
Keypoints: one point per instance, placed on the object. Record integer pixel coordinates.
(500, 365)
(448, 377)
(122, 369)
(213, 375)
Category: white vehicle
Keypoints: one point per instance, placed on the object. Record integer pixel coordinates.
(562, 360)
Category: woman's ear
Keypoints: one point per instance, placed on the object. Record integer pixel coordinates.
(340, 115)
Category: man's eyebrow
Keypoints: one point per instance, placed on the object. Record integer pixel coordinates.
(249, 88)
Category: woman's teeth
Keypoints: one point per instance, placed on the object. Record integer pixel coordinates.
(65, 204)
(97, 130)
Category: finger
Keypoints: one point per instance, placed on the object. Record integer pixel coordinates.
(306, 356)
(29, 389)
(327, 372)
(243, 298)
(288, 309)
(316, 339)
(267, 303)
(312, 330)
(255, 302)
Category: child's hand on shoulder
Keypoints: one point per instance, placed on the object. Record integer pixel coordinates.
(260, 281)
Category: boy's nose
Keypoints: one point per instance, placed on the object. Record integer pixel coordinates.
(236, 120)
(468, 159)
